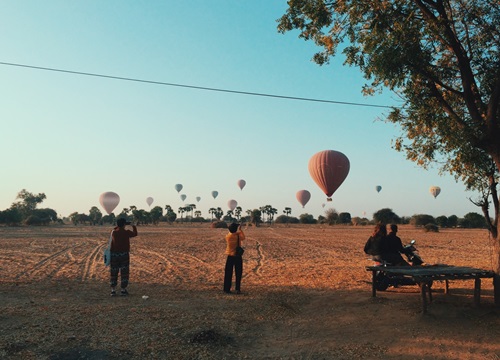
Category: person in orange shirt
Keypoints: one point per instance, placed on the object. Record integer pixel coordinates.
(120, 255)
(233, 240)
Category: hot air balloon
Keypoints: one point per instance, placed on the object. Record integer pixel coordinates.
(231, 204)
(303, 197)
(323, 205)
(178, 187)
(215, 193)
(183, 197)
(435, 190)
(198, 199)
(241, 184)
(149, 200)
(378, 188)
(329, 169)
(109, 201)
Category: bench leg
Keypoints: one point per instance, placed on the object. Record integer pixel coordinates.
(423, 290)
(374, 286)
(477, 291)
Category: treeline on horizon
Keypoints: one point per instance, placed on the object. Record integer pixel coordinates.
(25, 212)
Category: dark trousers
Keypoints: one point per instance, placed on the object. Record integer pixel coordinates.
(120, 263)
(235, 262)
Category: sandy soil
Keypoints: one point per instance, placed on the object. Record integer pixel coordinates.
(306, 295)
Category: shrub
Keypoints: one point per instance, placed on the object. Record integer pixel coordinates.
(218, 225)
(431, 228)
(422, 220)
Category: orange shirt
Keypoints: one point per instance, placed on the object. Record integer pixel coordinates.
(121, 239)
(232, 242)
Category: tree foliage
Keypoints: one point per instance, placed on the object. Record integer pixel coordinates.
(386, 216)
(441, 57)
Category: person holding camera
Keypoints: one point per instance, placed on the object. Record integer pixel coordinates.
(120, 255)
(234, 260)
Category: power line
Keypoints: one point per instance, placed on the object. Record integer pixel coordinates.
(193, 86)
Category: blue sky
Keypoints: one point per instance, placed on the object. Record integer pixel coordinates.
(73, 137)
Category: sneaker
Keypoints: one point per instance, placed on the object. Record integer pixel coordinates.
(113, 293)
(124, 292)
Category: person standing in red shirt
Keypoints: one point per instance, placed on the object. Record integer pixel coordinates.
(120, 255)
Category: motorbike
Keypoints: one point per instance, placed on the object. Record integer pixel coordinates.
(384, 280)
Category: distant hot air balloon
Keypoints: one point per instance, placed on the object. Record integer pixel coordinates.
(435, 190)
(378, 188)
(215, 193)
(198, 199)
(241, 184)
(323, 205)
(178, 187)
(109, 201)
(149, 200)
(329, 169)
(303, 197)
(231, 204)
(183, 197)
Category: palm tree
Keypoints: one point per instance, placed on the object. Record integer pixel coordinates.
(212, 212)
(237, 212)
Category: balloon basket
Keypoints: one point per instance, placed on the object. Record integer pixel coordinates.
(328, 199)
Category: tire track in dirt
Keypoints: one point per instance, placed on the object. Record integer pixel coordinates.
(260, 260)
(90, 264)
(52, 263)
(154, 265)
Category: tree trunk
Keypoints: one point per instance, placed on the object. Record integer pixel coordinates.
(496, 269)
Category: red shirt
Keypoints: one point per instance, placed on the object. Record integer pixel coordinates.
(121, 239)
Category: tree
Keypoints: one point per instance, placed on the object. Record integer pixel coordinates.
(307, 219)
(452, 221)
(386, 216)
(332, 216)
(170, 215)
(344, 218)
(422, 220)
(95, 215)
(156, 213)
(11, 216)
(29, 202)
(441, 58)
(237, 212)
(442, 221)
(255, 217)
(473, 220)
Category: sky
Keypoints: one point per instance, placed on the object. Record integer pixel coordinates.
(73, 137)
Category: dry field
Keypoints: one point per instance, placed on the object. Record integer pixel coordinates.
(306, 295)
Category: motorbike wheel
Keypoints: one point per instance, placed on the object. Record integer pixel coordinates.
(381, 282)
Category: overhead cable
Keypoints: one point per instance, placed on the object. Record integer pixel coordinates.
(193, 86)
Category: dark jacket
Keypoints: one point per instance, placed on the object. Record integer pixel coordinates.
(374, 245)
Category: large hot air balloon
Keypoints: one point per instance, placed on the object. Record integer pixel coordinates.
(241, 184)
(329, 169)
(109, 201)
(198, 199)
(435, 190)
(183, 197)
(149, 200)
(178, 187)
(231, 204)
(378, 188)
(215, 193)
(303, 197)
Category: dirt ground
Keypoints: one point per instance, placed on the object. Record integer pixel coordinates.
(306, 295)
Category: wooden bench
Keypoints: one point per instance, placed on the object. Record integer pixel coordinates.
(425, 275)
